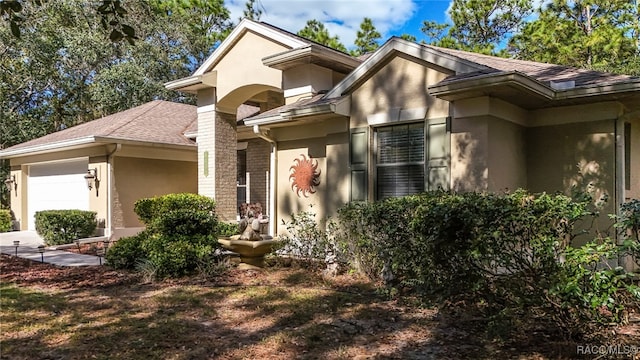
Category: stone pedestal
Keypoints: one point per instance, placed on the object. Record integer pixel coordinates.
(251, 252)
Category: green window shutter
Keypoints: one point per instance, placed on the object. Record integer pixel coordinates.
(358, 159)
(438, 153)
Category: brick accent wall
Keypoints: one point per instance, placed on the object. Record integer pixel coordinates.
(258, 156)
(225, 162)
(205, 140)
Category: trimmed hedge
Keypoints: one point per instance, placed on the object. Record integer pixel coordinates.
(5, 220)
(180, 235)
(57, 227)
(510, 253)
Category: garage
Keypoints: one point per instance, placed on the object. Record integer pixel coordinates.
(57, 186)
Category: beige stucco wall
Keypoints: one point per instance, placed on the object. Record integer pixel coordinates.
(242, 66)
(469, 154)
(305, 80)
(99, 196)
(576, 155)
(137, 178)
(327, 144)
(400, 84)
(17, 198)
(507, 156)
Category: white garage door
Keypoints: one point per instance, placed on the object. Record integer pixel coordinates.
(57, 186)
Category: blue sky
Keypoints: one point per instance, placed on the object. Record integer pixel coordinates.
(343, 17)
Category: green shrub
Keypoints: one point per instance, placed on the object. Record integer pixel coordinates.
(178, 214)
(372, 235)
(126, 252)
(590, 288)
(180, 235)
(5, 220)
(177, 255)
(58, 227)
(308, 241)
(227, 229)
(509, 255)
(628, 225)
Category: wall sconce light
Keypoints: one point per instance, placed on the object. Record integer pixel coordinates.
(91, 178)
(11, 183)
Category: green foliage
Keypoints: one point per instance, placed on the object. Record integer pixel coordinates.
(314, 30)
(180, 236)
(589, 288)
(61, 72)
(367, 38)
(374, 233)
(178, 214)
(5, 220)
(127, 251)
(601, 36)
(628, 225)
(508, 254)
(307, 240)
(58, 227)
(251, 11)
(478, 25)
(227, 229)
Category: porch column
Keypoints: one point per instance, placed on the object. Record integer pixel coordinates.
(217, 143)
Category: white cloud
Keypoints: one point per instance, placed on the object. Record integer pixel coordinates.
(341, 17)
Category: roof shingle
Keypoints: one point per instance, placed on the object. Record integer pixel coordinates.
(154, 122)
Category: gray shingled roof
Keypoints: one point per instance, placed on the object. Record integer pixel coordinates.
(541, 72)
(154, 122)
(300, 104)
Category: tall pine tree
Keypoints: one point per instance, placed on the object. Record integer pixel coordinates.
(366, 38)
(316, 31)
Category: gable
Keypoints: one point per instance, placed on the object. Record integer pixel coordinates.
(275, 35)
(242, 65)
(399, 85)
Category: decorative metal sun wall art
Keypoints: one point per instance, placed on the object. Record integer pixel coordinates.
(304, 176)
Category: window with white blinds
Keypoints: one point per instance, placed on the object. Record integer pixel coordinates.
(400, 160)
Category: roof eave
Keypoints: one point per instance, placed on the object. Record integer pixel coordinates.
(46, 148)
(310, 54)
(191, 84)
(452, 90)
(339, 108)
(599, 89)
(154, 144)
(455, 89)
(396, 45)
(83, 142)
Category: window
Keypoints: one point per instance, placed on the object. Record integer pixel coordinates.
(400, 160)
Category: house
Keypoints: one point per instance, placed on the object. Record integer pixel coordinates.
(141, 152)
(289, 123)
(333, 128)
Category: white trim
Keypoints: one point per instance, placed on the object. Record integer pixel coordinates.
(49, 146)
(242, 145)
(206, 108)
(397, 45)
(183, 82)
(298, 91)
(247, 25)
